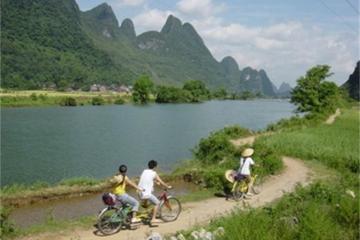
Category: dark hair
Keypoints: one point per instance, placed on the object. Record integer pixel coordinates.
(122, 168)
(152, 164)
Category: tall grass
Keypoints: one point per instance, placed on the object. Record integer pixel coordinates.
(336, 145)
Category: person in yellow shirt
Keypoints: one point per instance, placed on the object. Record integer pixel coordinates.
(120, 181)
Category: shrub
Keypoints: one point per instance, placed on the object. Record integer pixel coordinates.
(97, 101)
(214, 148)
(68, 101)
(119, 101)
(43, 97)
(33, 97)
(6, 227)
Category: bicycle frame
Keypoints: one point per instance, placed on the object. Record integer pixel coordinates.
(244, 186)
(146, 213)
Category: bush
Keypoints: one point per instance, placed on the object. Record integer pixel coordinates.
(68, 101)
(97, 101)
(33, 97)
(172, 95)
(214, 148)
(119, 101)
(6, 227)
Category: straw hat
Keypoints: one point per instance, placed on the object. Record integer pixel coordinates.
(247, 152)
(229, 175)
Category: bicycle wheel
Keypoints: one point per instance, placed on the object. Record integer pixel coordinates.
(170, 209)
(110, 221)
(237, 193)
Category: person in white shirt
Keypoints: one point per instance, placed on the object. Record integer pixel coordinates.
(147, 184)
(244, 172)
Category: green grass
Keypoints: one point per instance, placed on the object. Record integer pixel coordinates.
(335, 145)
(50, 226)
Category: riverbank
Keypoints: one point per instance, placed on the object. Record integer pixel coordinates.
(37, 98)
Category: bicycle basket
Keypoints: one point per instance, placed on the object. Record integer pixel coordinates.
(109, 199)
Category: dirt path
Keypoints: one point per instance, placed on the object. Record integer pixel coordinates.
(332, 118)
(196, 213)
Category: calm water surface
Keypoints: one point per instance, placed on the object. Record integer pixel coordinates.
(53, 143)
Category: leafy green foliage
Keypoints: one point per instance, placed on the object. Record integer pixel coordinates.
(68, 101)
(142, 89)
(97, 101)
(6, 226)
(166, 94)
(119, 101)
(197, 89)
(220, 93)
(313, 94)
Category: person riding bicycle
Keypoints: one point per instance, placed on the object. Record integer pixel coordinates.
(244, 172)
(120, 181)
(147, 183)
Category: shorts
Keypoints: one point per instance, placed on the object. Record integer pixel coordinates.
(154, 200)
(241, 177)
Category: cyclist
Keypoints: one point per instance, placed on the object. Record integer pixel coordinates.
(120, 181)
(244, 172)
(147, 183)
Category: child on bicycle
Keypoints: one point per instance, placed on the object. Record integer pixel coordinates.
(244, 172)
(147, 183)
(120, 181)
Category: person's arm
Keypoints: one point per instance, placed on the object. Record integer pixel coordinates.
(128, 181)
(161, 181)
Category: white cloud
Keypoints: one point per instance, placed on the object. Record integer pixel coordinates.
(151, 19)
(200, 7)
(285, 50)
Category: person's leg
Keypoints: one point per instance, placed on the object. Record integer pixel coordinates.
(154, 200)
(249, 184)
(125, 198)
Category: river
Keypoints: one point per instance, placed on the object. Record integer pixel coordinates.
(53, 143)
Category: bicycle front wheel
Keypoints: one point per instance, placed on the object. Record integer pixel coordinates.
(109, 221)
(170, 209)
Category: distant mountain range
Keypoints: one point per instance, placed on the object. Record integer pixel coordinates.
(51, 42)
(352, 84)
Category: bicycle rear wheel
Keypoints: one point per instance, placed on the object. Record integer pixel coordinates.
(170, 209)
(237, 193)
(110, 221)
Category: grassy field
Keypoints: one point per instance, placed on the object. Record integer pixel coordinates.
(11, 98)
(327, 209)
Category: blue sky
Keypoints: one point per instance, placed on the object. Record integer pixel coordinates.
(285, 38)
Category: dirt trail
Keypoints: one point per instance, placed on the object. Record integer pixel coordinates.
(332, 118)
(202, 212)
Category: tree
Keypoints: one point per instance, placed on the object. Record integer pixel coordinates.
(313, 94)
(197, 89)
(220, 93)
(142, 89)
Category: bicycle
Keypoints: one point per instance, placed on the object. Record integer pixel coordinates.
(240, 188)
(116, 216)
